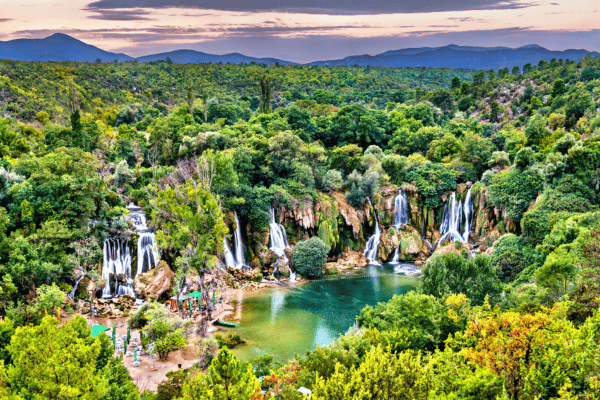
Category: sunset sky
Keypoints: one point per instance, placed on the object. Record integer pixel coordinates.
(304, 30)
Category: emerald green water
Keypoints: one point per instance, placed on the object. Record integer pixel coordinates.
(287, 320)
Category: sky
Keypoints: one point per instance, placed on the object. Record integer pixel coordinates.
(304, 30)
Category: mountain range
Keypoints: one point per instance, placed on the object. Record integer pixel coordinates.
(61, 47)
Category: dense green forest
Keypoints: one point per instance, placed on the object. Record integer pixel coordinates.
(196, 146)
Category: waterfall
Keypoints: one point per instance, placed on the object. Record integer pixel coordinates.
(71, 294)
(237, 260)
(396, 258)
(400, 218)
(373, 242)
(229, 259)
(452, 219)
(400, 209)
(279, 243)
(147, 253)
(116, 260)
(467, 211)
(278, 236)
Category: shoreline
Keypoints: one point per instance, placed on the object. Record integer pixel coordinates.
(153, 372)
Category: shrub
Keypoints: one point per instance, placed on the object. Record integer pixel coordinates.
(508, 259)
(362, 187)
(309, 257)
(333, 180)
(230, 341)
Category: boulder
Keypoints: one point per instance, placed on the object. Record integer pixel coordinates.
(152, 284)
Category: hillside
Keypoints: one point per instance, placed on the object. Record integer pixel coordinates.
(453, 56)
(58, 47)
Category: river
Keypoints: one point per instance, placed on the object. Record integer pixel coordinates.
(287, 320)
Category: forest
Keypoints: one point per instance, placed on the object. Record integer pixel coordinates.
(507, 303)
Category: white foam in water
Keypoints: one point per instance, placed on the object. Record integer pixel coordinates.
(407, 269)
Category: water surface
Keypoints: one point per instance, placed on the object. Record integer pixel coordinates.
(283, 321)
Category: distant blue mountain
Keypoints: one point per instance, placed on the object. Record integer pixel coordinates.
(198, 57)
(60, 47)
(454, 56)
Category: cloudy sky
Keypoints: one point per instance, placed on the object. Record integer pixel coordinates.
(304, 30)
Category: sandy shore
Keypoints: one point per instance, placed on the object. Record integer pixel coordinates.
(152, 372)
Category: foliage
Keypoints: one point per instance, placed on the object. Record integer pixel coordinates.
(227, 379)
(412, 321)
(452, 273)
(309, 257)
(50, 361)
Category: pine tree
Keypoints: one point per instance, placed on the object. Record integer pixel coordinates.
(227, 379)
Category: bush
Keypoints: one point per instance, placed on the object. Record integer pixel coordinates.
(453, 273)
(230, 341)
(309, 258)
(513, 190)
(362, 187)
(508, 259)
(332, 180)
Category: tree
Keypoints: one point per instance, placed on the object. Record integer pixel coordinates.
(455, 84)
(382, 375)
(265, 94)
(227, 379)
(84, 259)
(191, 222)
(558, 88)
(452, 273)
(190, 98)
(410, 321)
(309, 257)
(54, 362)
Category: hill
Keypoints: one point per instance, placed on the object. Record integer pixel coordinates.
(454, 56)
(58, 47)
(198, 57)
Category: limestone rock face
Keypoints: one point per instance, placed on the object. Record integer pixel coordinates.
(451, 248)
(350, 259)
(152, 284)
(351, 215)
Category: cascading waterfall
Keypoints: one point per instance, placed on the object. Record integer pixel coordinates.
(468, 211)
(236, 261)
(116, 258)
(373, 242)
(117, 261)
(400, 209)
(279, 242)
(400, 218)
(147, 253)
(71, 294)
(452, 219)
(229, 259)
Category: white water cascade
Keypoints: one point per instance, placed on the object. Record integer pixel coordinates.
(467, 211)
(279, 242)
(400, 218)
(147, 253)
(237, 260)
(400, 209)
(116, 261)
(452, 219)
(71, 294)
(373, 242)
